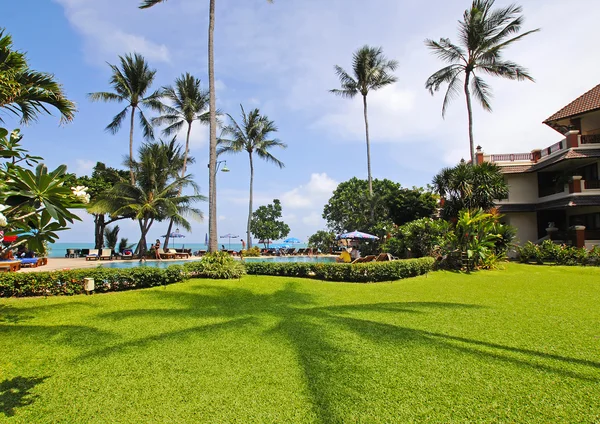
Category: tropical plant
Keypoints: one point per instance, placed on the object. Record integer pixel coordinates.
(130, 83)
(322, 241)
(26, 92)
(371, 71)
(124, 245)
(266, 223)
(188, 103)
(418, 238)
(155, 194)
(484, 34)
(111, 237)
(469, 187)
(253, 136)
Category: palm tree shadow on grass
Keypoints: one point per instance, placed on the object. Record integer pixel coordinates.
(16, 393)
(300, 323)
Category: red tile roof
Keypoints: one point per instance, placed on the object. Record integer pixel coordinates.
(585, 103)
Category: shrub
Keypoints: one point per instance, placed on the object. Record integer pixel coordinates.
(530, 252)
(418, 238)
(559, 254)
(219, 265)
(365, 272)
(252, 252)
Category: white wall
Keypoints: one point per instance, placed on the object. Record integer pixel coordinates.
(526, 225)
(523, 188)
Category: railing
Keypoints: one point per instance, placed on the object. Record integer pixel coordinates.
(590, 139)
(511, 157)
(592, 234)
(554, 148)
(592, 184)
(550, 190)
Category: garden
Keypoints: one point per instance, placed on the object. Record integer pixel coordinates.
(518, 344)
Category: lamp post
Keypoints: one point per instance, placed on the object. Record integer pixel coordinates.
(213, 200)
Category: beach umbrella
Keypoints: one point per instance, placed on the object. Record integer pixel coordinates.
(265, 242)
(357, 235)
(229, 236)
(174, 234)
(206, 239)
(292, 240)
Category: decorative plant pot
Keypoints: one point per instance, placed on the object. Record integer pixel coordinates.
(89, 285)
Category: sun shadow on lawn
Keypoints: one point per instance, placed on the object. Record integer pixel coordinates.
(16, 393)
(319, 358)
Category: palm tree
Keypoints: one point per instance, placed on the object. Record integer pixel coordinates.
(130, 84)
(111, 237)
(484, 34)
(371, 71)
(212, 164)
(26, 92)
(253, 137)
(155, 194)
(189, 103)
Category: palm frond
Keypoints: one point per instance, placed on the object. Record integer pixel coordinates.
(482, 92)
(116, 122)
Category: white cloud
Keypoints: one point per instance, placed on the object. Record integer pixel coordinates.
(222, 217)
(315, 193)
(84, 167)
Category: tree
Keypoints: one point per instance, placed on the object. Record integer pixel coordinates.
(484, 34)
(372, 71)
(130, 83)
(349, 207)
(253, 137)
(212, 164)
(189, 103)
(155, 194)
(323, 241)
(265, 224)
(111, 237)
(26, 92)
(469, 187)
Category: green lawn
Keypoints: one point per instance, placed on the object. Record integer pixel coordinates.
(518, 345)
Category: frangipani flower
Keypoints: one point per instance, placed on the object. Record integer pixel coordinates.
(3, 220)
(80, 192)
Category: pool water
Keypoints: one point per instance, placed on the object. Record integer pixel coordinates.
(163, 264)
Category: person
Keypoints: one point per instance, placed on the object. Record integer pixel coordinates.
(355, 253)
(243, 244)
(222, 247)
(21, 251)
(157, 249)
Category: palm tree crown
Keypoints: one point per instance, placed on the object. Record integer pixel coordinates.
(484, 34)
(252, 136)
(371, 71)
(130, 83)
(27, 92)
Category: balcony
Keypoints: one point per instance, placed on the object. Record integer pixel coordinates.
(512, 157)
(592, 184)
(590, 139)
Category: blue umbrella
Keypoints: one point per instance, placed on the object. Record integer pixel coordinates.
(292, 240)
(357, 235)
(206, 239)
(229, 236)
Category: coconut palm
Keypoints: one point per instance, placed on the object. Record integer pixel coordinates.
(111, 237)
(26, 92)
(371, 71)
(130, 83)
(484, 34)
(188, 103)
(212, 164)
(155, 195)
(253, 137)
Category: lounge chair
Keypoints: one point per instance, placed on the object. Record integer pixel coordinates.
(165, 255)
(30, 262)
(301, 252)
(291, 251)
(183, 255)
(369, 258)
(93, 255)
(200, 253)
(127, 254)
(106, 254)
(70, 253)
(384, 257)
(9, 265)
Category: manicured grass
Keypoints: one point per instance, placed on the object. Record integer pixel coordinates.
(515, 345)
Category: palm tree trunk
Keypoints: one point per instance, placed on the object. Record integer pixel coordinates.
(470, 114)
(212, 165)
(99, 225)
(248, 236)
(183, 171)
(368, 147)
(131, 146)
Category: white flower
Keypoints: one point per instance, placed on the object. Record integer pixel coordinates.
(3, 220)
(2, 208)
(80, 192)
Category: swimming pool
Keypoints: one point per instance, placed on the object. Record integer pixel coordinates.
(163, 264)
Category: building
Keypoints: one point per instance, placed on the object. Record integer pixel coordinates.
(555, 191)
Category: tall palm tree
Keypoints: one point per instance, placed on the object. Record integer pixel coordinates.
(130, 83)
(188, 103)
(484, 34)
(212, 164)
(155, 194)
(371, 71)
(253, 137)
(26, 92)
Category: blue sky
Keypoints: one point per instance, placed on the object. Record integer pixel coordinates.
(279, 57)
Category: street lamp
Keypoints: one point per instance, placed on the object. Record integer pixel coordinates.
(219, 162)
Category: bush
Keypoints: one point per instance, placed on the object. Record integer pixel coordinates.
(560, 254)
(220, 265)
(252, 252)
(363, 272)
(417, 238)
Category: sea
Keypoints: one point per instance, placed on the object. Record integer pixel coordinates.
(59, 250)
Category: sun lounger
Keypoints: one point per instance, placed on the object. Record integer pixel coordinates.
(93, 255)
(200, 253)
(181, 254)
(384, 257)
(106, 254)
(301, 252)
(10, 266)
(369, 258)
(30, 262)
(166, 255)
(127, 254)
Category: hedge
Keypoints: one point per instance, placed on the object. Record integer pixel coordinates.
(357, 273)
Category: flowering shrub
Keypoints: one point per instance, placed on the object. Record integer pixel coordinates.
(559, 254)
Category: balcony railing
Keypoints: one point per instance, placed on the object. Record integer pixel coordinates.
(592, 234)
(554, 148)
(592, 184)
(550, 190)
(511, 157)
(590, 139)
